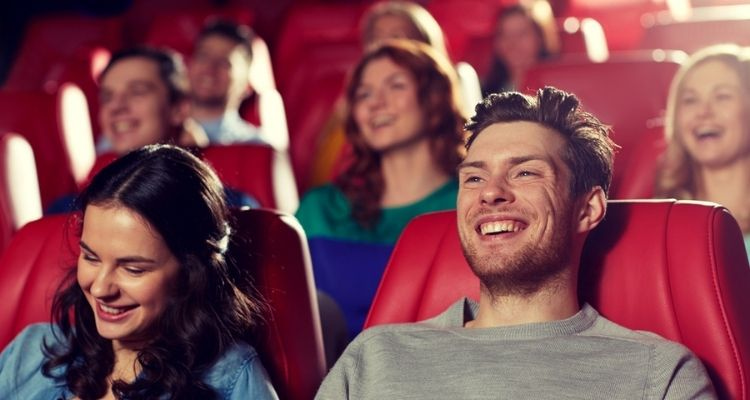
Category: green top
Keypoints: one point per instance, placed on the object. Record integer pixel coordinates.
(326, 212)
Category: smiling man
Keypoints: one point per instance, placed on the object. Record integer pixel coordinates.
(532, 186)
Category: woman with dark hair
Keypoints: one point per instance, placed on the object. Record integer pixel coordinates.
(405, 126)
(153, 308)
(525, 35)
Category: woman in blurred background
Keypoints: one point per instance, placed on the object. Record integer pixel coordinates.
(708, 132)
(526, 34)
(382, 21)
(405, 126)
(152, 309)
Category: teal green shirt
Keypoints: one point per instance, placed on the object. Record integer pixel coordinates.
(326, 212)
(348, 260)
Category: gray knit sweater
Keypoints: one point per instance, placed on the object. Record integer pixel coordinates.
(582, 357)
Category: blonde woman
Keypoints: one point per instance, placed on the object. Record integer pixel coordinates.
(708, 132)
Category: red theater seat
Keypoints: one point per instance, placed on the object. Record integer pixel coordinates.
(270, 245)
(705, 26)
(19, 187)
(58, 128)
(639, 180)
(619, 18)
(253, 169)
(310, 25)
(676, 268)
(51, 42)
(257, 170)
(628, 92)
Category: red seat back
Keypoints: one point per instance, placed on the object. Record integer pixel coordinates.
(620, 19)
(253, 169)
(51, 42)
(257, 170)
(58, 128)
(269, 245)
(707, 26)
(19, 187)
(627, 92)
(676, 268)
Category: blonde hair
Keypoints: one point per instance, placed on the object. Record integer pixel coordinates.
(677, 176)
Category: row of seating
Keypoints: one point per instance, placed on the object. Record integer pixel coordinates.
(317, 46)
(688, 283)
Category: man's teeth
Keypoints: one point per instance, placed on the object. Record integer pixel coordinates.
(495, 227)
(111, 310)
(122, 126)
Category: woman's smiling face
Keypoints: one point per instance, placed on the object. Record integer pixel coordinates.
(126, 272)
(712, 116)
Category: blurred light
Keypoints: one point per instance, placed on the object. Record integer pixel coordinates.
(681, 10)
(596, 42)
(78, 138)
(571, 25)
(22, 178)
(659, 55)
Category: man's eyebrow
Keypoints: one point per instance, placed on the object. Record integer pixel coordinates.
(531, 157)
(471, 164)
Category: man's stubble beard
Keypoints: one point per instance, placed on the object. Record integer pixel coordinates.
(525, 272)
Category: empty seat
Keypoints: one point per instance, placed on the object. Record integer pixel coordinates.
(269, 245)
(676, 268)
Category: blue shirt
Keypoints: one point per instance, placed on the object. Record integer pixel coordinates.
(237, 374)
(230, 128)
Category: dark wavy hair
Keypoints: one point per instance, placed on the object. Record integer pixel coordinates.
(589, 151)
(183, 200)
(439, 98)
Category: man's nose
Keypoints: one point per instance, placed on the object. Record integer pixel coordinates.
(497, 192)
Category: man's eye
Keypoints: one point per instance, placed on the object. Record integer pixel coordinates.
(134, 271)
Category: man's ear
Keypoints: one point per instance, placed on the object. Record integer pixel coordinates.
(592, 208)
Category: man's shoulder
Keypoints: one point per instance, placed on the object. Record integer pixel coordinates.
(611, 330)
(447, 320)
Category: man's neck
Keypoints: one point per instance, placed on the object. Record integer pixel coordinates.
(552, 303)
(203, 113)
